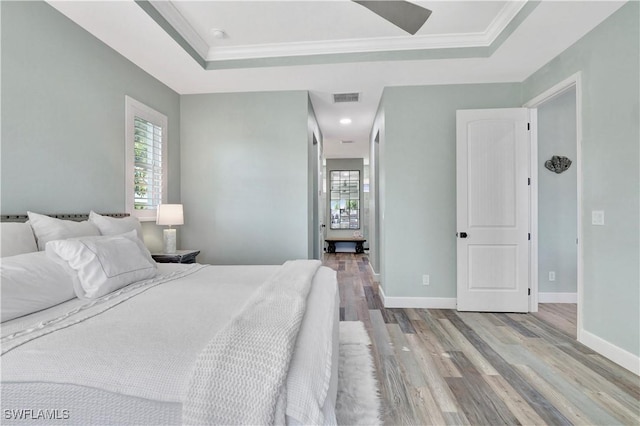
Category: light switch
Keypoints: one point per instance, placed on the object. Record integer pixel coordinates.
(597, 217)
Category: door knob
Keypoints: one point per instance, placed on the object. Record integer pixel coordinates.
(463, 235)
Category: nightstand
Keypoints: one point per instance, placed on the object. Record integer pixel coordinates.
(180, 256)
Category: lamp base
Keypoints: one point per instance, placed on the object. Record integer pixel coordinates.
(169, 240)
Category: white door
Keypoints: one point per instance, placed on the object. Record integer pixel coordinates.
(493, 210)
(321, 203)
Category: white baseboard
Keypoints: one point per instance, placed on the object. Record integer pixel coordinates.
(376, 276)
(557, 297)
(618, 355)
(417, 302)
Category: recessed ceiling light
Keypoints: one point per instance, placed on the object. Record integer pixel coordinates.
(345, 121)
(219, 34)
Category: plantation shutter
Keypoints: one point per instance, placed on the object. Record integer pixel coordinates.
(147, 164)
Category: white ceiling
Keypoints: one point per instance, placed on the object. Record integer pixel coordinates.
(301, 37)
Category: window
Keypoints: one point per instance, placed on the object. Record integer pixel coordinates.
(345, 199)
(146, 154)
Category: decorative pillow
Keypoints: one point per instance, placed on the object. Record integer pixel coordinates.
(16, 238)
(103, 264)
(116, 226)
(32, 282)
(49, 229)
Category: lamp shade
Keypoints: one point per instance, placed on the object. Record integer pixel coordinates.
(170, 214)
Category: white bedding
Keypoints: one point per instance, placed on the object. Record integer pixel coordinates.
(127, 357)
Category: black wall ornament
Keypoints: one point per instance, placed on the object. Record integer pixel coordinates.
(558, 164)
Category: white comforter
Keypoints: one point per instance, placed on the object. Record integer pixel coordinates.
(240, 376)
(144, 341)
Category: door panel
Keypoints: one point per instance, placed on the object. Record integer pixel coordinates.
(493, 210)
(492, 267)
(491, 174)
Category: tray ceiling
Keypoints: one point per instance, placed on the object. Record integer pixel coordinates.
(334, 46)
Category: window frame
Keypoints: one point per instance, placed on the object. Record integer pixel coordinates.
(133, 109)
(341, 192)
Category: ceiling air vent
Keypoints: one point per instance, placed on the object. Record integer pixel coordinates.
(346, 97)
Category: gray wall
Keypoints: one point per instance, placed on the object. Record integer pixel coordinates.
(245, 183)
(609, 59)
(557, 196)
(314, 165)
(376, 199)
(63, 116)
(418, 176)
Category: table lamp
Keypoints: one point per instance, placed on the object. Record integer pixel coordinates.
(170, 214)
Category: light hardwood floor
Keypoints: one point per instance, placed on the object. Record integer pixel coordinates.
(562, 316)
(447, 367)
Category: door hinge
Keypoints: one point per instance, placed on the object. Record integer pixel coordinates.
(528, 126)
(529, 292)
(529, 237)
(529, 181)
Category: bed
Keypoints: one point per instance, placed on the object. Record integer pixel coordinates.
(188, 344)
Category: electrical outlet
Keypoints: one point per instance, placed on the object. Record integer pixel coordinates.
(425, 280)
(552, 276)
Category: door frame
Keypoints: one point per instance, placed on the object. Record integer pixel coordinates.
(573, 81)
(320, 218)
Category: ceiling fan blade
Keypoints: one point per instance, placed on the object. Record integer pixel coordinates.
(408, 16)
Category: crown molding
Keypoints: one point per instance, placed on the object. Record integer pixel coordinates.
(344, 46)
(169, 11)
(503, 18)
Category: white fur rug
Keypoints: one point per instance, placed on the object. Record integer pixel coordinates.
(358, 401)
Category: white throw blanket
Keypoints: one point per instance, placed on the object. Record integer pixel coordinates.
(240, 377)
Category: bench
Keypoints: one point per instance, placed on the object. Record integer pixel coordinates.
(332, 243)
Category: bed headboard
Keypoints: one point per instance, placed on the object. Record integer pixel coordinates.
(74, 217)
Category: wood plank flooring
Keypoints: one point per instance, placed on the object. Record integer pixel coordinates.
(563, 316)
(438, 367)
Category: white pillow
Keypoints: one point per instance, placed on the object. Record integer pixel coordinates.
(103, 264)
(16, 238)
(116, 226)
(31, 282)
(49, 229)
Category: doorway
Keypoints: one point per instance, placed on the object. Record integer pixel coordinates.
(556, 206)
